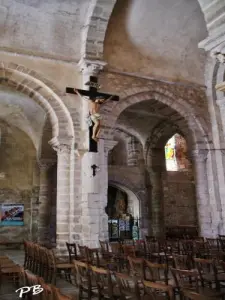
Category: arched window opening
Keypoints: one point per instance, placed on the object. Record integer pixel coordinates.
(176, 154)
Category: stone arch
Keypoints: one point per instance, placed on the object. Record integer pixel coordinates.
(132, 96)
(94, 29)
(160, 135)
(132, 196)
(32, 84)
(99, 13)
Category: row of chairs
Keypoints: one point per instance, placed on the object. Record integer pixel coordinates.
(106, 284)
(43, 262)
(204, 272)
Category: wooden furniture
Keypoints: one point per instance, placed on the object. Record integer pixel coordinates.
(157, 291)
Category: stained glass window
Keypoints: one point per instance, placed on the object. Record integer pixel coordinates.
(176, 154)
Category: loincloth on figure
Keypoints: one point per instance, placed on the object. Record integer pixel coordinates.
(95, 117)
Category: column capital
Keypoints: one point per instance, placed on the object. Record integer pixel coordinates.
(200, 154)
(221, 102)
(109, 145)
(93, 67)
(62, 148)
(45, 164)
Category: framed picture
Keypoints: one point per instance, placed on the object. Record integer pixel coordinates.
(11, 214)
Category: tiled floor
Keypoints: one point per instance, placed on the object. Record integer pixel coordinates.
(7, 291)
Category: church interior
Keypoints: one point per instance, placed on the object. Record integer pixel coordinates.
(112, 149)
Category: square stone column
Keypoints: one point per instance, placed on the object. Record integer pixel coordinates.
(207, 213)
(44, 205)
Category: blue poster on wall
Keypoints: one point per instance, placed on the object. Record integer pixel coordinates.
(11, 214)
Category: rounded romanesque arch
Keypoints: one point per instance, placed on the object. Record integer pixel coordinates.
(43, 93)
(99, 13)
(134, 196)
(93, 34)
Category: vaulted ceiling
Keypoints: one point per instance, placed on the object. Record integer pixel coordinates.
(157, 38)
(22, 112)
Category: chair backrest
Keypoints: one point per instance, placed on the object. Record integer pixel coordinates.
(127, 286)
(182, 262)
(150, 238)
(83, 272)
(158, 290)
(103, 279)
(137, 266)
(72, 251)
(93, 256)
(157, 272)
(104, 246)
(129, 250)
(213, 243)
(116, 248)
(205, 266)
(185, 278)
(83, 252)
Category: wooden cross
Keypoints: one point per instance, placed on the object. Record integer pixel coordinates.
(92, 93)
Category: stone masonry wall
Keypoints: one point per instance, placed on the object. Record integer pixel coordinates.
(16, 162)
(179, 199)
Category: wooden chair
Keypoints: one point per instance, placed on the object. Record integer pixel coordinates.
(156, 272)
(10, 275)
(213, 244)
(104, 283)
(137, 267)
(189, 280)
(127, 287)
(157, 291)
(194, 296)
(72, 251)
(86, 282)
(150, 238)
(201, 249)
(104, 245)
(117, 254)
(83, 253)
(57, 295)
(140, 247)
(183, 262)
(55, 268)
(208, 272)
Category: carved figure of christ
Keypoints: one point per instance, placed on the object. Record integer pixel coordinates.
(94, 109)
(95, 99)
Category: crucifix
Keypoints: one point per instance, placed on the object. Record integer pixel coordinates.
(95, 99)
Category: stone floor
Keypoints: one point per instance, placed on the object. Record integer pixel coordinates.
(7, 291)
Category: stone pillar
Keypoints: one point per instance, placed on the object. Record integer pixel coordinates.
(63, 204)
(105, 147)
(92, 202)
(132, 151)
(44, 201)
(88, 68)
(157, 206)
(221, 104)
(156, 211)
(205, 210)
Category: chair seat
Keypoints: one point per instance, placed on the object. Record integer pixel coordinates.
(64, 266)
(5, 260)
(13, 270)
(7, 265)
(206, 291)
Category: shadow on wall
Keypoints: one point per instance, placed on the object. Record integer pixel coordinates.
(17, 162)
